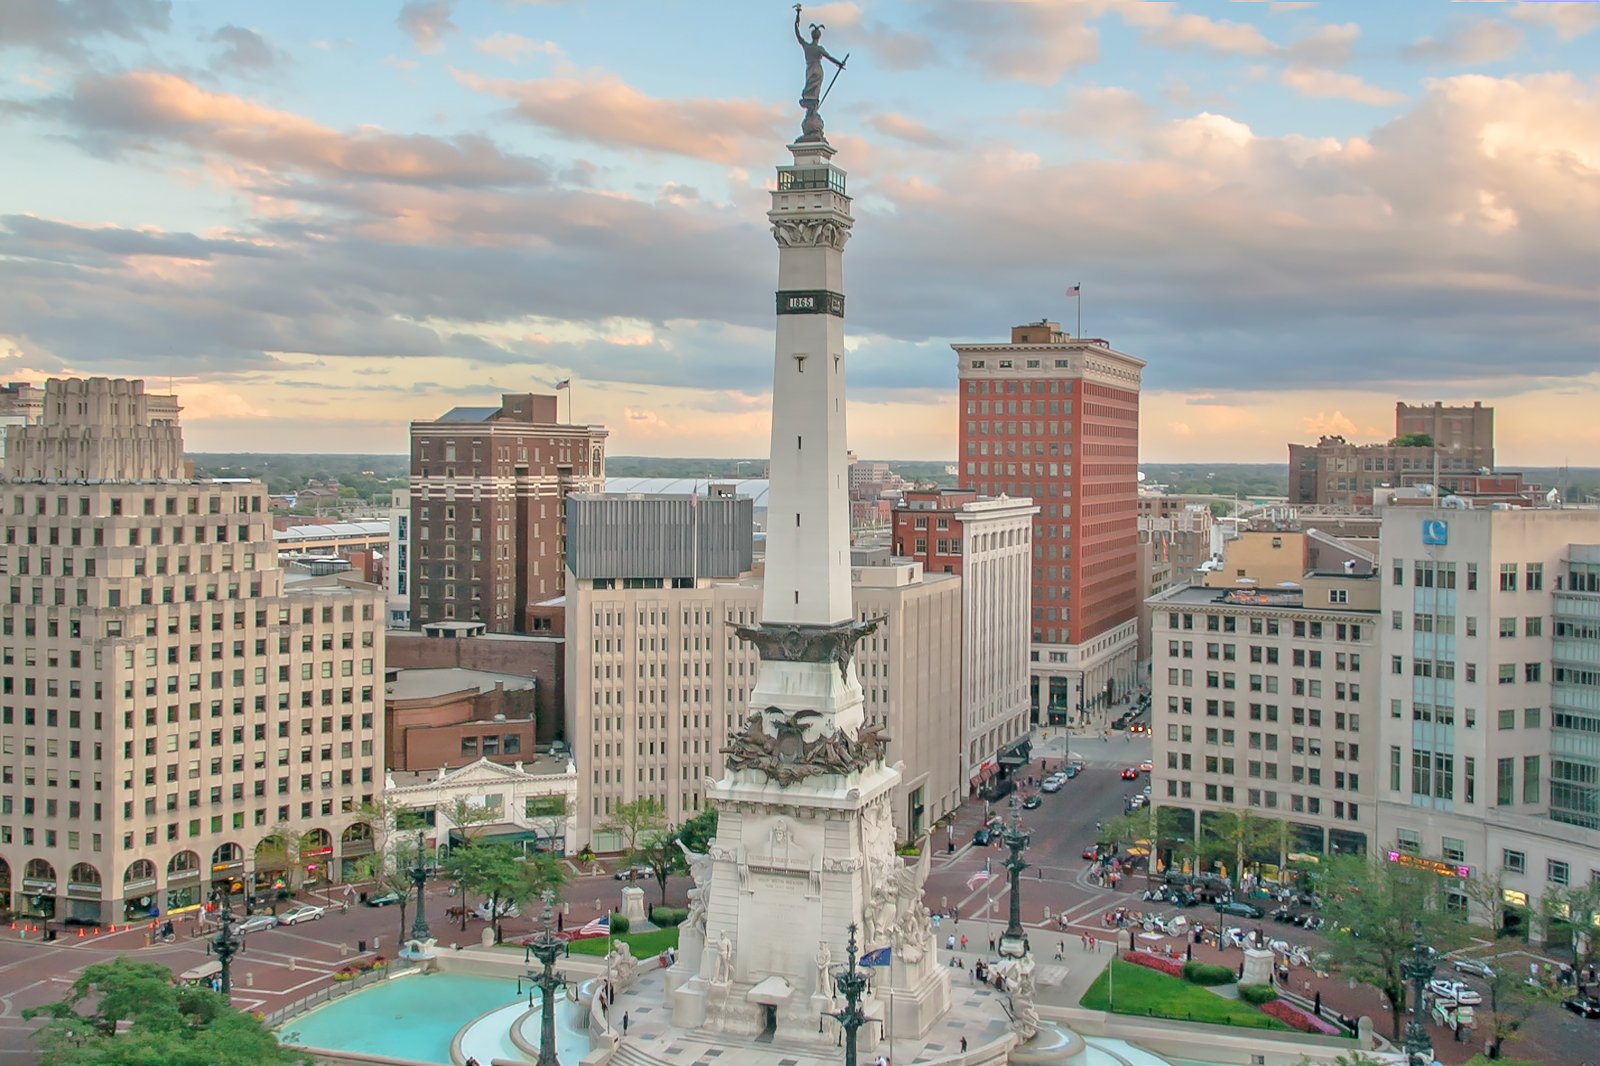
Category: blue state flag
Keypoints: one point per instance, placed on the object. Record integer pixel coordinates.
(877, 958)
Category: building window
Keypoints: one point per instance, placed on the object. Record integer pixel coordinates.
(1557, 872)
(1338, 596)
(1530, 778)
(1514, 861)
(1508, 577)
(1453, 850)
(1505, 782)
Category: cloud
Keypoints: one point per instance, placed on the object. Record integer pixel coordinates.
(60, 27)
(243, 49)
(1326, 46)
(514, 47)
(1160, 24)
(899, 126)
(1017, 41)
(1103, 111)
(1469, 44)
(427, 22)
(604, 109)
(1569, 18)
(1327, 424)
(1333, 85)
(135, 112)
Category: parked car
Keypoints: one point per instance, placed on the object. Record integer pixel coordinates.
(507, 909)
(1131, 774)
(305, 912)
(1091, 852)
(982, 837)
(1240, 909)
(1180, 897)
(1454, 991)
(386, 900)
(1476, 967)
(1586, 1006)
(1032, 802)
(1051, 784)
(255, 923)
(1138, 727)
(1146, 766)
(634, 873)
(1072, 770)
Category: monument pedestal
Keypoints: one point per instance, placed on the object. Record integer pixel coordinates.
(633, 905)
(1257, 967)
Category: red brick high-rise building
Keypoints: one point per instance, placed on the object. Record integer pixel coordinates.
(1056, 418)
(488, 500)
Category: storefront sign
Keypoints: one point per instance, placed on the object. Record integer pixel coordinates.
(139, 887)
(33, 884)
(185, 875)
(225, 867)
(76, 888)
(1417, 862)
(1515, 898)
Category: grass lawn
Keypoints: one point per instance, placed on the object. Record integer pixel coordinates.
(643, 945)
(1143, 991)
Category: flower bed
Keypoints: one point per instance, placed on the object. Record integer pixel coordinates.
(1161, 964)
(1304, 1021)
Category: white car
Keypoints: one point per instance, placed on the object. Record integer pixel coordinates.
(1476, 967)
(305, 912)
(508, 909)
(1455, 992)
(255, 922)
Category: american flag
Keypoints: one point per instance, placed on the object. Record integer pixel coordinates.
(601, 926)
(981, 877)
(564, 383)
(1076, 290)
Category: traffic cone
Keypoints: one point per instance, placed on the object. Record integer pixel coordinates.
(98, 930)
(80, 932)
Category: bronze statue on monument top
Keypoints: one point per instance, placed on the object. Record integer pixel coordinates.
(812, 96)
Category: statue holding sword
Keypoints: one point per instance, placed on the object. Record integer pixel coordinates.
(812, 96)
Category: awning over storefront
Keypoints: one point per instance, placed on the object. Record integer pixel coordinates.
(1016, 754)
(984, 772)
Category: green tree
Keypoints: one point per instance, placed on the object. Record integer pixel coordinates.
(499, 873)
(634, 821)
(698, 832)
(288, 850)
(1486, 892)
(172, 1025)
(1511, 1001)
(467, 818)
(1238, 836)
(1412, 440)
(1371, 906)
(390, 871)
(658, 849)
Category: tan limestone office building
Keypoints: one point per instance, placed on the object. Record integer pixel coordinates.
(168, 699)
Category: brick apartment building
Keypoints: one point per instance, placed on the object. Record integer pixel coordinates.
(1056, 418)
(1334, 472)
(488, 512)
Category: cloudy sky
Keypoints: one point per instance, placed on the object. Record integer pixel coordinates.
(321, 220)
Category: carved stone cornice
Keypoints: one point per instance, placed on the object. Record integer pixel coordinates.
(774, 744)
(810, 233)
(802, 643)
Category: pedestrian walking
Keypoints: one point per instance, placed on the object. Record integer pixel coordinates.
(963, 942)
(991, 945)
(963, 1045)
(624, 1023)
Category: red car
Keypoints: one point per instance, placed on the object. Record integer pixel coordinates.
(1130, 774)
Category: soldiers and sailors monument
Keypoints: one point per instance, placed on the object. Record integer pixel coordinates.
(804, 871)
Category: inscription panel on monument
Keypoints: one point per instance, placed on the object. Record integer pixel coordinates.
(779, 885)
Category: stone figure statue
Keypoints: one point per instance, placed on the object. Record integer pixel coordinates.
(1018, 974)
(621, 964)
(811, 96)
(724, 958)
(824, 975)
(700, 870)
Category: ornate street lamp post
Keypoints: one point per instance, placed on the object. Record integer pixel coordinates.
(1418, 969)
(228, 941)
(546, 947)
(850, 982)
(1014, 941)
(419, 877)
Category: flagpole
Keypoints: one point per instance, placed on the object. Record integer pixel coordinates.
(1078, 291)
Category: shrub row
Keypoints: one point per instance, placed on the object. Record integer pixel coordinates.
(669, 916)
(619, 923)
(1257, 994)
(1207, 973)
